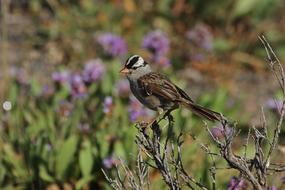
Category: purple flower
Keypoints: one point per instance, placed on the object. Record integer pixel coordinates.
(61, 77)
(47, 91)
(273, 188)
(109, 162)
(237, 184)
(20, 75)
(48, 147)
(123, 88)
(112, 44)
(220, 131)
(156, 42)
(65, 108)
(78, 88)
(136, 110)
(161, 60)
(107, 105)
(93, 70)
(201, 36)
(274, 105)
(198, 57)
(84, 127)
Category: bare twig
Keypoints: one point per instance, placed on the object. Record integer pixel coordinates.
(168, 163)
(255, 169)
(278, 71)
(277, 169)
(235, 162)
(246, 144)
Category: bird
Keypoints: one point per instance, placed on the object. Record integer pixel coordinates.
(158, 93)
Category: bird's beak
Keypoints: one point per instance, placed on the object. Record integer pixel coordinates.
(125, 71)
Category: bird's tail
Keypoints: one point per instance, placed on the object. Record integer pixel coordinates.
(203, 112)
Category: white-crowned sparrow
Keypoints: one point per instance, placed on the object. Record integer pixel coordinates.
(157, 92)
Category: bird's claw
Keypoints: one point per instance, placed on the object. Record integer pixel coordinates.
(145, 125)
(169, 116)
(142, 124)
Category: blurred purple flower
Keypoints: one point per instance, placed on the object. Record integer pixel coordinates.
(136, 110)
(20, 75)
(48, 147)
(61, 77)
(161, 60)
(198, 57)
(84, 127)
(237, 184)
(201, 36)
(109, 162)
(156, 42)
(107, 104)
(122, 88)
(273, 104)
(78, 88)
(65, 108)
(220, 132)
(273, 188)
(112, 44)
(47, 91)
(93, 71)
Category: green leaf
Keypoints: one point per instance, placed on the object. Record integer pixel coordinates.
(80, 184)
(86, 159)
(221, 45)
(2, 173)
(44, 174)
(104, 147)
(108, 84)
(243, 7)
(35, 87)
(18, 169)
(13, 93)
(61, 94)
(65, 155)
(220, 100)
(120, 151)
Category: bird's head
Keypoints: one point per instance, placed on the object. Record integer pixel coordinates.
(136, 66)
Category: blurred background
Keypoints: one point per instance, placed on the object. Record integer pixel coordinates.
(66, 112)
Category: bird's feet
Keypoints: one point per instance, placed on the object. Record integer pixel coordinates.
(142, 124)
(154, 122)
(145, 125)
(169, 116)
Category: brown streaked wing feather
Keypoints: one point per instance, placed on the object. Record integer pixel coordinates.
(157, 84)
(184, 94)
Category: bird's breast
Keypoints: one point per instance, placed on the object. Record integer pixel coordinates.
(149, 101)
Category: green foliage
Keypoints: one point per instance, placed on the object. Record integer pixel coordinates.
(86, 158)
(65, 155)
(58, 140)
(258, 8)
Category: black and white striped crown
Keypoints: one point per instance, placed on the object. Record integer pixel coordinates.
(134, 62)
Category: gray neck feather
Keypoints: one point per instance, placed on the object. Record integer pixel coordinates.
(139, 72)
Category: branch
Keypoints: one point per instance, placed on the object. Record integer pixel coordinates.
(162, 153)
(278, 71)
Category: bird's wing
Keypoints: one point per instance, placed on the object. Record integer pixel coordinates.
(184, 94)
(159, 85)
